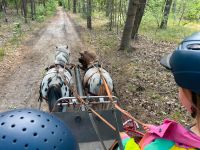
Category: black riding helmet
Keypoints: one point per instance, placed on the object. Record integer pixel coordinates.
(29, 129)
(184, 63)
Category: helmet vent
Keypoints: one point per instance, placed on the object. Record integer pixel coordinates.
(194, 46)
(26, 145)
(30, 129)
(32, 121)
(3, 137)
(13, 125)
(24, 129)
(35, 134)
(14, 141)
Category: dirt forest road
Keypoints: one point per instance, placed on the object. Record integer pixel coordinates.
(20, 75)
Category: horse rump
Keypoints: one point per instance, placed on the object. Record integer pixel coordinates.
(53, 94)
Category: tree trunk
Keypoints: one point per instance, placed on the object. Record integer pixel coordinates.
(32, 9)
(16, 6)
(138, 18)
(107, 8)
(79, 6)
(184, 6)
(131, 13)
(69, 5)
(24, 2)
(174, 10)
(4, 9)
(111, 13)
(89, 14)
(74, 6)
(44, 3)
(84, 7)
(168, 4)
(1, 6)
(4, 6)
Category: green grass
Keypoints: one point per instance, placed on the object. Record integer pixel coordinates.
(174, 32)
(2, 53)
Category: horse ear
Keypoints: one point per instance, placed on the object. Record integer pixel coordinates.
(67, 47)
(81, 53)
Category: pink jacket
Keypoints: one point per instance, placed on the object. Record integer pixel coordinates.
(173, 131)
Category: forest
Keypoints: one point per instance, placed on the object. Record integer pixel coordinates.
(129, 36)
(153, 17)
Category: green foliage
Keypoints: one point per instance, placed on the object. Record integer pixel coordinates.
(17, 29)
(17, 33)
(51, 5)
(40, 13)
(178, 26)
(174, 33)
(193, 13)
(154, 9)
(40, 18)
(2, 53)
(48, 10)
(62, 3)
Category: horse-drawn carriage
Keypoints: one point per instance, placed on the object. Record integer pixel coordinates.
(86, 105)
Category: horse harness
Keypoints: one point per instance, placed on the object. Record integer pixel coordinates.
(59, 73)
(90, 72)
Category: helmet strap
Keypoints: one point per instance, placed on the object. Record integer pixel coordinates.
(193, 108)
(194, 112)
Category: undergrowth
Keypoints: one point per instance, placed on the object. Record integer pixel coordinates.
(145, 89)
(15, 31)
(174, 32)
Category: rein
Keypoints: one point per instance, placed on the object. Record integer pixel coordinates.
(83, 102)
(71, 87)
(111, 99)
(117, 106)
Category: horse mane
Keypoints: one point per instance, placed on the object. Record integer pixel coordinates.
(62, 55)
(87, 58)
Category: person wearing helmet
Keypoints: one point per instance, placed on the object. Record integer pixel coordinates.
(29, 129)
(184, 64)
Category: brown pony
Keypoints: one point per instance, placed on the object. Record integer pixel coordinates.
(94, 74)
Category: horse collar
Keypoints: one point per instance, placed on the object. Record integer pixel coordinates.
(93, 65)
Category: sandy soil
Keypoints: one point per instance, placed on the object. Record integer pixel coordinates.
(21, 72)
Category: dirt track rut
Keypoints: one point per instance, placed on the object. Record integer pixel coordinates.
(20, 78)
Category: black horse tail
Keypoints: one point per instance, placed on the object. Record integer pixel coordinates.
(53, 94)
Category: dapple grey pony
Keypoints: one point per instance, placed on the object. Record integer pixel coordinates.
(53, 85)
